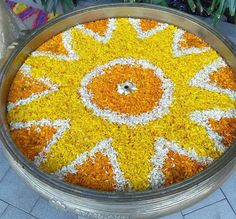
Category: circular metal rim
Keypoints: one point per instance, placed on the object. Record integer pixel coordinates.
(224, 160)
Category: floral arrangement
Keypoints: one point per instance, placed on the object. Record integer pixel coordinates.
(123, 105)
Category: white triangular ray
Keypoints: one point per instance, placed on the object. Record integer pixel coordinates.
(100, 38)
(178, 51)
(202, 117)
(106, 149)
(144, 34)
(67, 42)
(202, 79)
(60, 125)
(26, 71)
(162, 146)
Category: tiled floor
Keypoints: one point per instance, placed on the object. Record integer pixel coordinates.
(18, 201)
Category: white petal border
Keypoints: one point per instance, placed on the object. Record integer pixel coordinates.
(60, 125)
(119, 118)
(26, 71)
(67, 42)
(135, 22)
(108, 34)
(201, 118)
(106, 149)
(177, 51)
(162, 146)
(202, 80)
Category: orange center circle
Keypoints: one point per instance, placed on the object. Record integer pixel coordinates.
(147, 96)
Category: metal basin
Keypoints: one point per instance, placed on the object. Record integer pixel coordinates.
(97, 204)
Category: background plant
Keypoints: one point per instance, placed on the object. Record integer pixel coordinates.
(215, 8)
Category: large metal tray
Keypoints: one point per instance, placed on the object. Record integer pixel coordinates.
(97, 204)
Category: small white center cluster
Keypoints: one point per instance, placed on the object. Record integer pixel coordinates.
(126, 88)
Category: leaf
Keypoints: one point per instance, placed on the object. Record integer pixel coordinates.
(232, 7)
(212, 7)
(219, 11)
(159, 2)
(45, 4)
(199, 6)
(67, 3)
(54, 7)
(192, 5)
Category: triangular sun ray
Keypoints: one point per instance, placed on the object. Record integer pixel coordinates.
(202, 119)
(104, 147)
(110, 25)
(60, 126)
(144, 33)
(163, 147)
(67, 45)
(202, 79)
(26, 83)
(178, 50)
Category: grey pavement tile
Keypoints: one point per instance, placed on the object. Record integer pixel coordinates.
(229, 189)
(219, 210)
(15, 192)
(3, 206)
(15, 213)
(4, 166)
(173, 216)
(43, 210)
(214, 197)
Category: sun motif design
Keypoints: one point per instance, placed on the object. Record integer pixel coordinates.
(123, 105)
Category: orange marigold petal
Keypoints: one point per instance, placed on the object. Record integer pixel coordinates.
(99, 26)
(226, 128)
(148, 24)
(54, 45)
(31, 141)
(105, 95)
(178, 167)
(191, 40)
(95, 173)
(24, 86)
(224, 78)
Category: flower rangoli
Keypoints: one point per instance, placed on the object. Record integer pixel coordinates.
(123, 104)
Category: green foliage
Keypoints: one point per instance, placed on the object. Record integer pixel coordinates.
(217, 8)
(51, 5)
